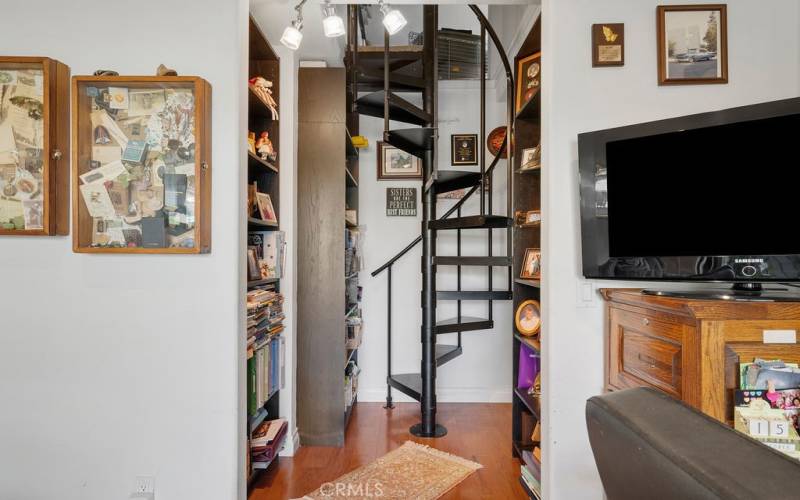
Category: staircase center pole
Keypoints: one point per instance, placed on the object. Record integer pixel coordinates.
(428, 427)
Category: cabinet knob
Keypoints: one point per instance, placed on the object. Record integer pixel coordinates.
(56, 154)
(204, 165)
(645, 321)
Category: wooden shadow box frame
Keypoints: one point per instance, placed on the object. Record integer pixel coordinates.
(55, 149)
(83, 141)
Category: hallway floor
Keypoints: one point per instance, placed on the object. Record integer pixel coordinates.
(479, 432)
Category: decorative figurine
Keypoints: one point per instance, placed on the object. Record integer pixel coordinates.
(264, 147)
(165, 71)
(263, 89)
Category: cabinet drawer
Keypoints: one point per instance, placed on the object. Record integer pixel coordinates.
(645, 352)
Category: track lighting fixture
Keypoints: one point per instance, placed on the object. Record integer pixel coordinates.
(332, 24)
(393, 19)
(292, 35)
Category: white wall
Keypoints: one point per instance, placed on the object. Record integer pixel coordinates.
(483, 372)
(763, 50)
(114, 366)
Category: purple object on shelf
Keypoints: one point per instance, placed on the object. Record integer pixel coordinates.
(528, 367)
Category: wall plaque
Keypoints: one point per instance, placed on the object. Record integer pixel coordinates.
(401, 201)
(608, 45)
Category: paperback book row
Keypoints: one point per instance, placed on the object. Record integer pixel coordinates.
(266, 442)
(767, 404)
(265, 346)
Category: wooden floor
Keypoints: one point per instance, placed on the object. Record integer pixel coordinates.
(479, 432)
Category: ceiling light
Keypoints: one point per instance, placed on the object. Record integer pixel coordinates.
(291, 35)
(332, 24)
(393, 19)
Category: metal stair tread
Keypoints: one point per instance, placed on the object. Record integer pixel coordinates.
(473, 295)
(399, 109)
(445, 353)
(452, 180)
(471, 222)
(415, 141)
(369, 78)
(409, 384)
(470, 260)
(463, 324)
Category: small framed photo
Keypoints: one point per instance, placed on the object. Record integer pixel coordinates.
(608, 45)
(265, 209)
(530, 158)
(528, 318)
(253, 269)
(531, 264)
(464, 149)
(692, 44)
(395, 163)
(528, 79)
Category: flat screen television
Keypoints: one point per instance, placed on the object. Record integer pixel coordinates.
(712, 197)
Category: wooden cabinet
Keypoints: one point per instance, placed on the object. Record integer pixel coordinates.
(141, 164)
(691, 349)
(34, 146)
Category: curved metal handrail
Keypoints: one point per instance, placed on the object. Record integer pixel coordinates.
(510, 83)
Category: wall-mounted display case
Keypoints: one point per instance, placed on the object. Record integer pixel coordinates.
(34, 146)
(142, 164)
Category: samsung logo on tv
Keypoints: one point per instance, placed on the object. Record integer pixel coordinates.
(748, 261)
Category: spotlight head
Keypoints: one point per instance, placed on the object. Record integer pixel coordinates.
(393, 19)
(332, 24)
(292, 36)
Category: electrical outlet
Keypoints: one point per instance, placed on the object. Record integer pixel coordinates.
(145, 486)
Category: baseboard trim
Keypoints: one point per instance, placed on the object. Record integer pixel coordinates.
(443, 395)
(292, 445)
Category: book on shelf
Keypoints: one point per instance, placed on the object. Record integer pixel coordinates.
(532, 464)
(531, 482)
(265, 346)
(267, 442)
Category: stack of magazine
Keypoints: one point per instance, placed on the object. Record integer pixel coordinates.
(265, 346)
(531, 474)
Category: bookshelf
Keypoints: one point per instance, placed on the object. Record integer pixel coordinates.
(526, 196)
(329, 311)
(265, 342)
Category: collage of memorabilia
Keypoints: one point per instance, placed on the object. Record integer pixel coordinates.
(21, 149)
(139, 185)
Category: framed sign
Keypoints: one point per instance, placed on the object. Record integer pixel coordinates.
(608, 45)
(692, 44)
(401, 201)
(464, 149)
(395, 163)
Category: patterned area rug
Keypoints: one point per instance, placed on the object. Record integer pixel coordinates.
(411, 471)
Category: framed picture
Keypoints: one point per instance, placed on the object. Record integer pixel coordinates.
(608, 45)
(692, 44)
(530, 158)
(528, 318)
(253, 269)
(395, 163)
(464, 149)
(532, 264)
(528, 79)
(265, 209)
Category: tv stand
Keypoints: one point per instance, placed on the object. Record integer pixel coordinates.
(738, 292)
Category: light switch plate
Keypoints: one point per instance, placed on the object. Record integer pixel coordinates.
(587, 294)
